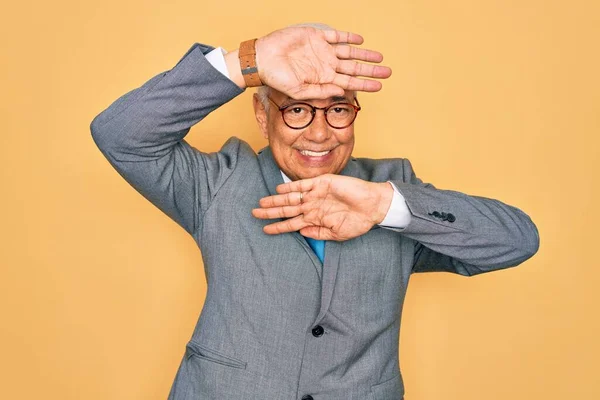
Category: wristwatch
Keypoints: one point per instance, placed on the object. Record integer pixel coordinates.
(247, 55)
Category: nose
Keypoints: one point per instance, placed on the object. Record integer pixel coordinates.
(319, 130)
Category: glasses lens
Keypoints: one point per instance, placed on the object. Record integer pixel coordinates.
(340, 115)
(297, 115)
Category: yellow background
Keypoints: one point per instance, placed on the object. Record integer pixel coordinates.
(100, 291)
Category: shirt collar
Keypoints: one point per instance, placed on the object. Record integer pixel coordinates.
(285, 177)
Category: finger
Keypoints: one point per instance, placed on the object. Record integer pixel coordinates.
(289, 225)
(354, 68)
(352, 83)
(316, 91)
(317, 232)
(277, 212)
(303, 185)
(334, 36)
(345, 52)
(278, 200)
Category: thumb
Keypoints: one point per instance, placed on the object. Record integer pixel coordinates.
(316, 232)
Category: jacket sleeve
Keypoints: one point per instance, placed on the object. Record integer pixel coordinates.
(142, 136)
(463, 234)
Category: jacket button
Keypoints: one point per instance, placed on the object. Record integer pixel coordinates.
(451, 217)
(307, 397)
(436, 214)
(318, 331)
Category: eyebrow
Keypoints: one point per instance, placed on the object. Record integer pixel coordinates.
(334, 99)
(338, 98)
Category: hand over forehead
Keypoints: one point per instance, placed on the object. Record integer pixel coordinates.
(309, 63)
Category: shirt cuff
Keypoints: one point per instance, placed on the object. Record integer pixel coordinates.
(398, 215)
(217, 60)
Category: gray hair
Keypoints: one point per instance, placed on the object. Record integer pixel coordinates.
(263, 92)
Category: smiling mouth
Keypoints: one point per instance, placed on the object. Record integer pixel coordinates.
(314, 153)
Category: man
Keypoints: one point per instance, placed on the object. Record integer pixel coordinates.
(307, 306)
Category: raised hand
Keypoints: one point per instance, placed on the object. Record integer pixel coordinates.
(310, 63)
(328, 207)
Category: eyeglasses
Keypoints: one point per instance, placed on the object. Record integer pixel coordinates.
(300, 115)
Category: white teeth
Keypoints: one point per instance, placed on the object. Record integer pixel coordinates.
(314, 153)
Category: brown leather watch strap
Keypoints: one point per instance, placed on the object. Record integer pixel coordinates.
(247, 55)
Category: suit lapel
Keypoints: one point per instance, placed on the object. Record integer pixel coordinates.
(333, 251)
(327, 271)
(272, 176)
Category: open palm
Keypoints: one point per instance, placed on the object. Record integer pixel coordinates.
(305, 62)
(332, 207)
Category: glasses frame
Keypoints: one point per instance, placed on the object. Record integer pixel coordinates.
(314, 109)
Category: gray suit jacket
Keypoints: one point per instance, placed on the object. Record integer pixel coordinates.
(276, 323)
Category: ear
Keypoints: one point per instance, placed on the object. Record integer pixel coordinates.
(261, 115)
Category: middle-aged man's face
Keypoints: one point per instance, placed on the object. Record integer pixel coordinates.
(291, 147)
